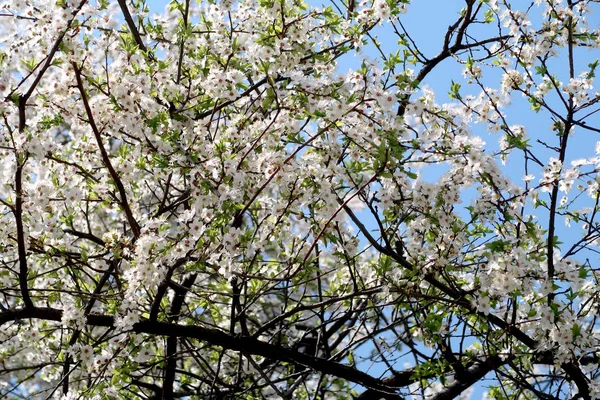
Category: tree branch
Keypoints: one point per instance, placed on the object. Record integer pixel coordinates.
(21, 245)
(105, 159)
(216, 337)
(134, 30)
(171, 349)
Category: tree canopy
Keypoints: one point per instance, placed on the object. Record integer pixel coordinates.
(269, 199)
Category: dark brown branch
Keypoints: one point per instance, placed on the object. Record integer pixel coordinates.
(216, 337)
(171, 348)
(398, 379)
(466, 380)
(245, 93)
(18, 210)
(23, 98)
(90, 305)
(183, 197)
(446, 52)
(162, 288)
(83, 235)
(182, 44)
(237, 313)
(306, 307)
(105, 159)
(563, 139)
(22, 249)
(134, 30)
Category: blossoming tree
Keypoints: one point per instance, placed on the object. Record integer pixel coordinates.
(208, 204)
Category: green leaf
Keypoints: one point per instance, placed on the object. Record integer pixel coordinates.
(488, 16)
(517, 142)
(535, 105)
(29, 64)
(497, 246)
(592, 67)
(576, 330)
(454, 90)
(540, 70)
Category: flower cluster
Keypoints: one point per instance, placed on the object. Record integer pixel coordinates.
(220, 201)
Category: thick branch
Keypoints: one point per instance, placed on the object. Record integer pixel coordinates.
(23, 268)
(466, 380)
(171, 350)
(219, 338)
